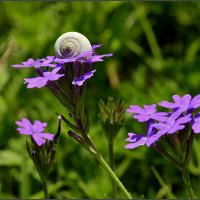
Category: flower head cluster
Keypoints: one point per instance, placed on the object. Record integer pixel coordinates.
(35, 130)
(65, 75)
(52, 68)
(182, 114)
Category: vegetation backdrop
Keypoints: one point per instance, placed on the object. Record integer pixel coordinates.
(156, 53)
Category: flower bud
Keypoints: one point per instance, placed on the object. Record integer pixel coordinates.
(111, 116)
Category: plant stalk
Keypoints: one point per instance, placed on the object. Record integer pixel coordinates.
(113, 176)
(45, 190)
(187, 183)
(111, 162)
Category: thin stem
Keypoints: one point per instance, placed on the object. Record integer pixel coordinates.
(111, 155)
(83, 133)
(44, 178)
(177, 145)
(189, 149)
(187, 183)
(111, 162)
(113, 176)
(45, 190)
(168, 157)
(44, 174)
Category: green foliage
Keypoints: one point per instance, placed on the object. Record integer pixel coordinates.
(156, 54)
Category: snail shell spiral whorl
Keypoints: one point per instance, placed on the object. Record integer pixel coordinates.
(71, 44)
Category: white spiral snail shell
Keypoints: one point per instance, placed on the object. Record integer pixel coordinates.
(71, 44)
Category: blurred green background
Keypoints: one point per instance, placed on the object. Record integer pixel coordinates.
(156, 50)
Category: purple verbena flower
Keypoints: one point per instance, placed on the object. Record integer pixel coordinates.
(156, 131)
(182, 104)
(196, 123)
(44, 62)
(35, 130)
(161, 123)
(170, 126)
(140, 139)
(194, 103)
(135, 140)
(41, 81)
(98, 58)
(85, 57)
(146, 113)
(80, 80)
(179, 102)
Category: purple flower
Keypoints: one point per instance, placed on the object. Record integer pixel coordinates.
(135, 140)
(170, 126)
(196, 123)
(98, 58)
(146, 113)
(140, 139)
(35, 130)
(41, 81)
(182, 104)
(156, 130)
(85, 57)
(179, 102)
(44, 62)
(195, 102)
(161, 124)
(79, 81)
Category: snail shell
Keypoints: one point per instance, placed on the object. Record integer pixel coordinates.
(71, 44)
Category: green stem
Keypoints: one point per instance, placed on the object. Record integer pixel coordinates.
(168, 157)
(44, 184)
(187, 183)
(44, 174)
(113, 176)
(111, 155)
(177, 145)
(189, 149)
(108, 169)
(111, 162)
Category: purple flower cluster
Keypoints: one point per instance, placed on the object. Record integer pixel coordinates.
(41, 81)
(182, 114)
(52, 68)
(35, 130)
